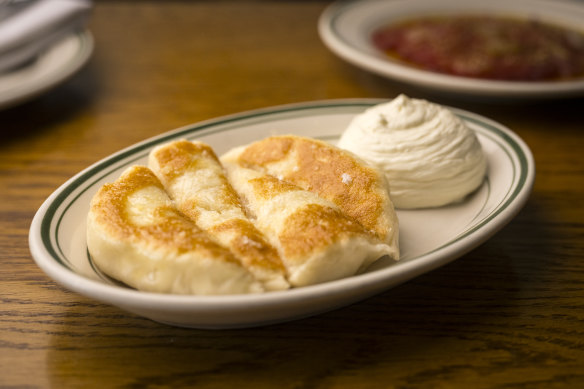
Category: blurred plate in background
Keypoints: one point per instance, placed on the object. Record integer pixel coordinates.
(48, 70)
(346, 28)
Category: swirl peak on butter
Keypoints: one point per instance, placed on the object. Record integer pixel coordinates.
(428, 154)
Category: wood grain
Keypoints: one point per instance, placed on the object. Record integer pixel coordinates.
(509, 314)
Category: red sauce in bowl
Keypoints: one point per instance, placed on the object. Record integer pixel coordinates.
(496, 48)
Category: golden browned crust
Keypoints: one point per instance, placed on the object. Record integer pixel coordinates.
(179, 159)
(272, 149)
(330, 172)
(267, 187)
(318, 242)
(310, 228)
(249, 243)
(314, 227)
(176, 158)
(173, 230)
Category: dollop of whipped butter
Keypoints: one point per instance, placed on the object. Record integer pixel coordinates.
(429, 156)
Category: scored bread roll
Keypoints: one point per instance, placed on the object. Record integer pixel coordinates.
(357, 188)
(316, 240)
(137, 236)
(283, 212)
(194, 178)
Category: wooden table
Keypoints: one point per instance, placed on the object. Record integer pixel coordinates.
(508, 314)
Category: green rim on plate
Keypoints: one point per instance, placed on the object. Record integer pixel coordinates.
(56, 211)
(58, 245)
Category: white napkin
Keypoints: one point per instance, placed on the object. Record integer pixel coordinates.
(32, 28)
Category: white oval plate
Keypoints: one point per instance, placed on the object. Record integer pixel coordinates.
(47, 71)
(428, 238)
(346, 28)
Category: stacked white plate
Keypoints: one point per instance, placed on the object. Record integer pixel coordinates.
(42, 43)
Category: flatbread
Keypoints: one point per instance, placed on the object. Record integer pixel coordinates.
(316, 240)
(283, 212)
(137, 236)
(194, 178)
(357, 188)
